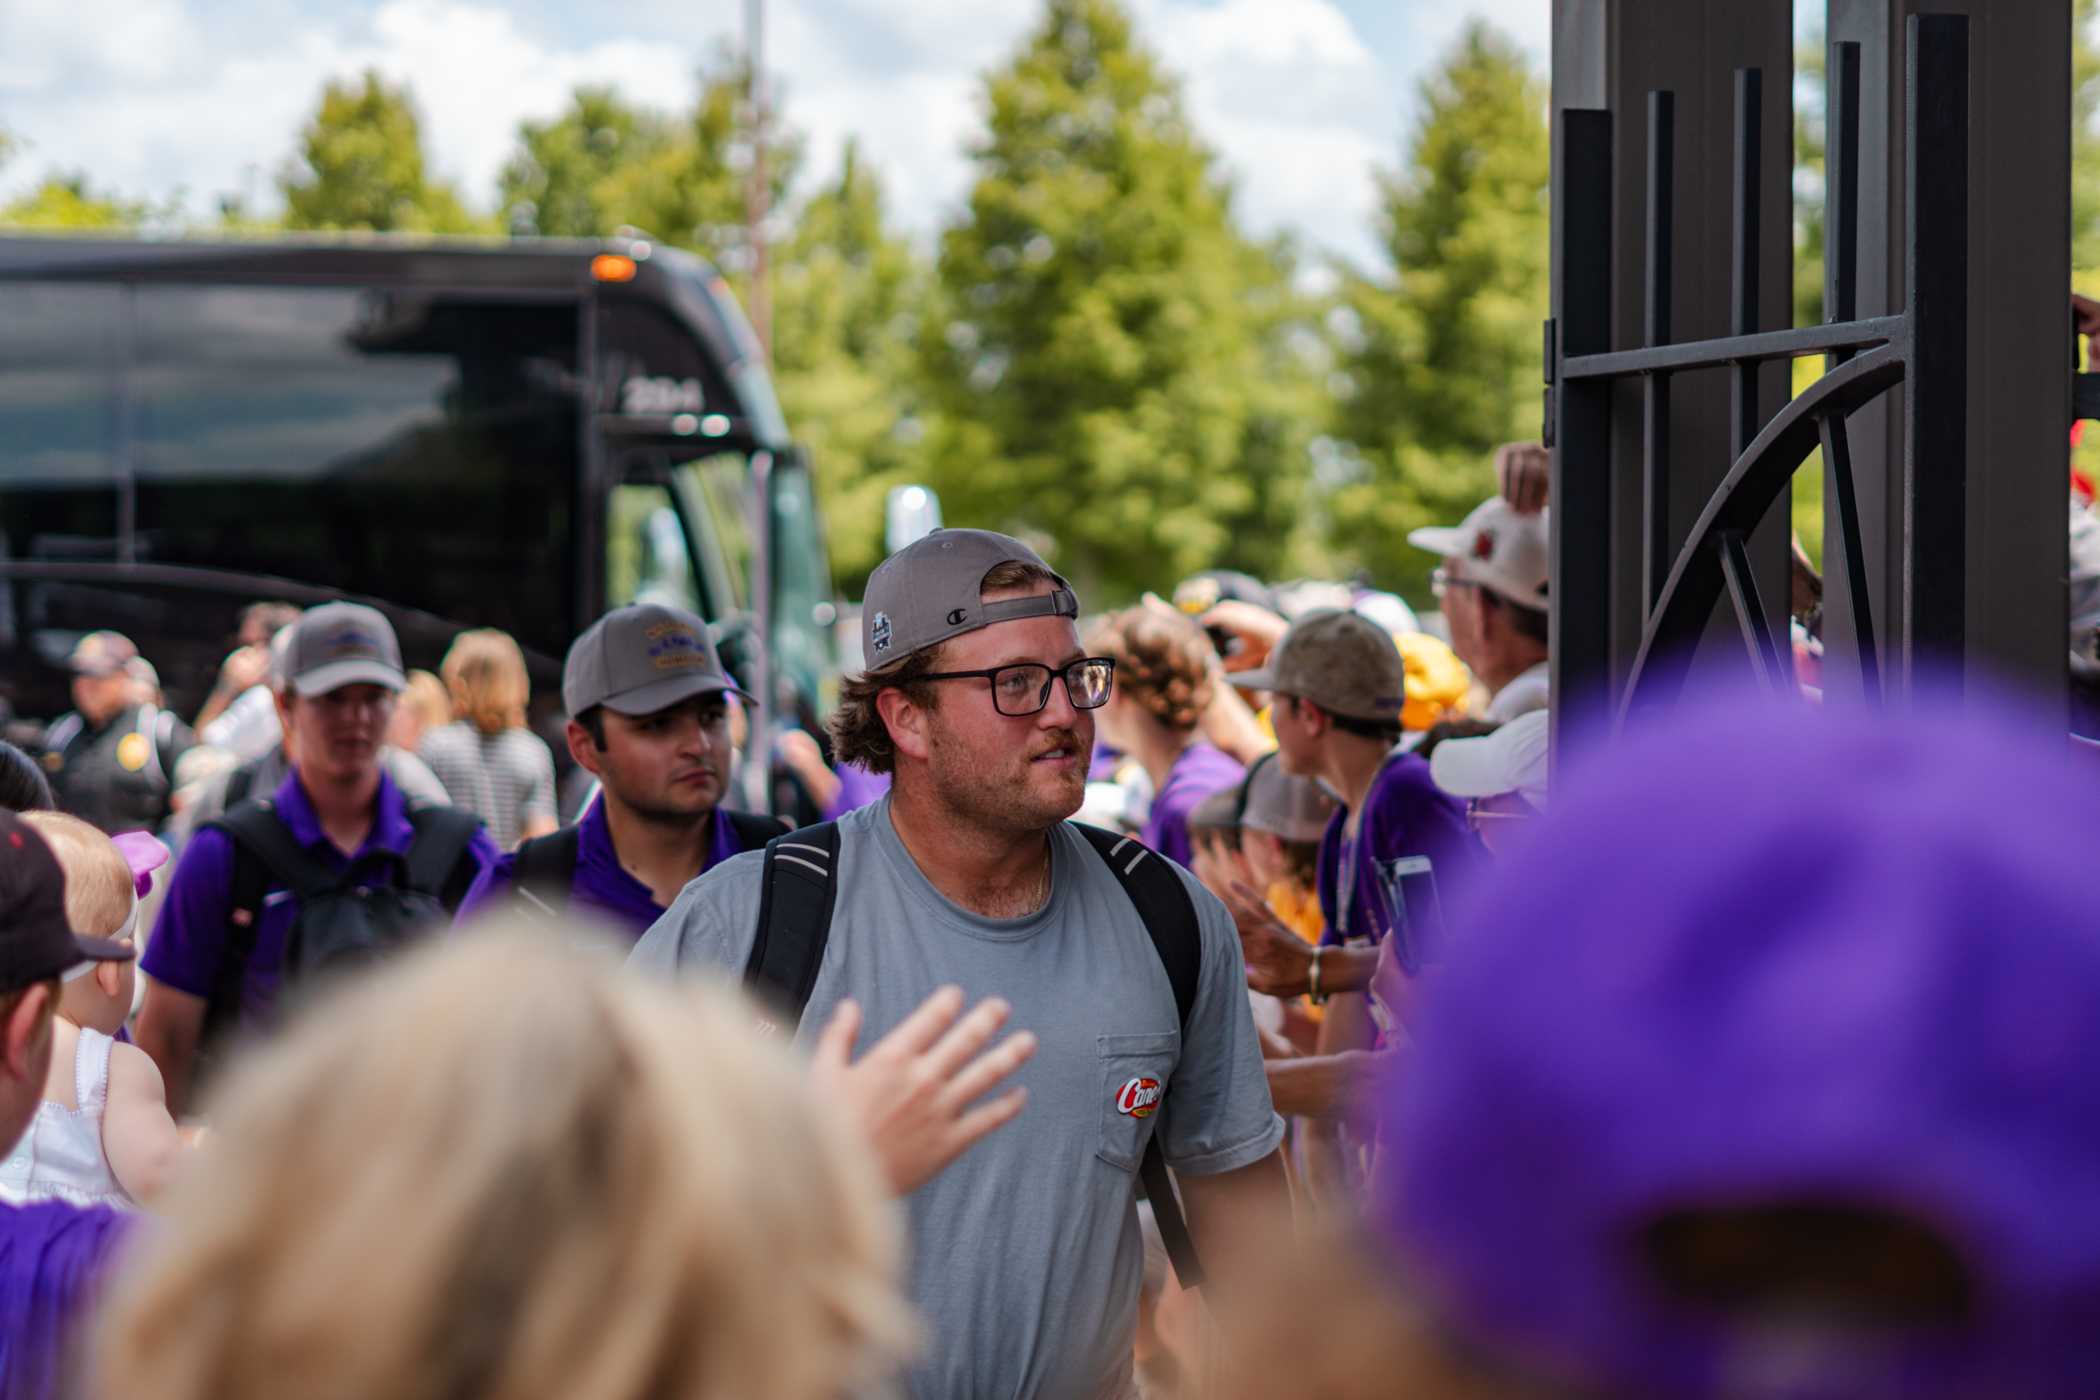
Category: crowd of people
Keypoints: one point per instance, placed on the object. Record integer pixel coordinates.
(1341, 1047)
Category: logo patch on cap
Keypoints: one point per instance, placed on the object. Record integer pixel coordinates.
(1139, 1098)
(958, 617)
(349, 641)
(879, 634)
(673, 646)
(1483, 544)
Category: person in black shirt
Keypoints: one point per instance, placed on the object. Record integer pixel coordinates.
(111, 758)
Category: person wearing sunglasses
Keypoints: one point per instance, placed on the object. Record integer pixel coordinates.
(980, 702)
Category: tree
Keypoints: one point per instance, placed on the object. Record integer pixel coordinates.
(848, 298)
(1442, 360)
(361, 166)
(1098, 363)
(570, 174)
(67, 201)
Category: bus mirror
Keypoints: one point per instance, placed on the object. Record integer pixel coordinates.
(914, 513)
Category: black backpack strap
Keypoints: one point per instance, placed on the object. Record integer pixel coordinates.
(545, 867)
(1169, 916)
(239, 783)
(799, 888)
(264, 853)
(754, 830)
(437, 861)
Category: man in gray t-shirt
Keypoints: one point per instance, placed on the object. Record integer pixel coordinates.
(1026, 1255)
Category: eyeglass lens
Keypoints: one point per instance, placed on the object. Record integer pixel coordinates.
(1025, 689)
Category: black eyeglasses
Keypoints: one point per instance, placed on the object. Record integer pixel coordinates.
(1024, 688)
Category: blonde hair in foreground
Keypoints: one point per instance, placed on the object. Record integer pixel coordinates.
(502, 1169)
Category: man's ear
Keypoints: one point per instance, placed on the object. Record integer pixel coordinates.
(583, 748)
(1316, 720)
(907, 723)
(22, 1037)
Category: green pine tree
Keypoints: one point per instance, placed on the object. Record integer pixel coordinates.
(1098, 364)
(361, 166)
(1442, 359)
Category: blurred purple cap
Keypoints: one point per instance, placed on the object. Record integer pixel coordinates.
(1762, 955)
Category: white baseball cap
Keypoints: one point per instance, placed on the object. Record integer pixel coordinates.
(1498, 549)
(1512, 759)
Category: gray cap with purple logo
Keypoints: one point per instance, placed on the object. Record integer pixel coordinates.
(339, 644)
(1769, 963)
(640, 659)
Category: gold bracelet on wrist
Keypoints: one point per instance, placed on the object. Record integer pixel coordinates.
(1318, 997)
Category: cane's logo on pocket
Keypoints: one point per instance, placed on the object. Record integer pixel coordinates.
(1139, 1098)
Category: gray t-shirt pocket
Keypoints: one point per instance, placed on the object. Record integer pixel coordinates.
(1135, 1072)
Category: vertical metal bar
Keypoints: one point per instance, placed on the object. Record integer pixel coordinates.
(758, 773)
(1936, 392)
(127, 425)
(1772, 662)
(1841, 191)
(1837, 465)
(1749, 180)
(1655, 405)
(1581, 528)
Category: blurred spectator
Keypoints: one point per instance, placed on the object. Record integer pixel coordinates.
(23, 787)
(112, 758)
(1163, 685)
(1214, 841)
(212, 787)
(534, 1145)
(248, 728)
(488, 760)
(424, 707)
(1493, 589)
(1394, 843)
(248, 665)
(1280, 830)
(1500, 776)
(52, 1253)
(102, 1135)
(1805, 1109)
(1438, 684)
(334, 864)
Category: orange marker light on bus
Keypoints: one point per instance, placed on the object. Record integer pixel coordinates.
(612, 267)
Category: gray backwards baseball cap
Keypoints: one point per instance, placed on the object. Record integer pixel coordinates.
(933, 589)
(1341, 661)
(339, 644)
(640, 659)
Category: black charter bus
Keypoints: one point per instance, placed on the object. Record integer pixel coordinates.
(514, 435)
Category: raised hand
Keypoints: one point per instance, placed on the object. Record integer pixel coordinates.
(915, 1094)
(1279, 962)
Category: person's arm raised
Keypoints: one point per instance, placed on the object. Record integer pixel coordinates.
(915, 1096)
(170, 1027)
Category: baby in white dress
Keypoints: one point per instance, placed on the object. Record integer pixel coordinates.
(102, 1134)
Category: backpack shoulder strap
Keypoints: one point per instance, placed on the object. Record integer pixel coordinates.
(258, 838)
(753, 829)
(545, 867)
(1163, 903)
(1169, 916)
(437, 861)
(798, 890)
(258, 832)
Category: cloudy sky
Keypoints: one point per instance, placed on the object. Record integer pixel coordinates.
(202, 97)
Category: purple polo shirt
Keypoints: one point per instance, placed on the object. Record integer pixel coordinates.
(190, 941)
(857, 789)
(602, 885)
(53, 1258)
(1200, 771)
(1407, 817)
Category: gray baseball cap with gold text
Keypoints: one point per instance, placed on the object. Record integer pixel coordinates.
(640, 659)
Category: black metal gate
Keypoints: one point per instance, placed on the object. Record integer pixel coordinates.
(1925, 349)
